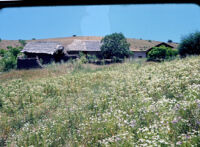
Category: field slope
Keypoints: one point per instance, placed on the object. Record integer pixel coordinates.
(136, 104)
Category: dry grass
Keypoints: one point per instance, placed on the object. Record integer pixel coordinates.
(52, 70)
(35, 73)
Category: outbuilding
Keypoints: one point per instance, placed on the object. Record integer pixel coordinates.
(46, 52)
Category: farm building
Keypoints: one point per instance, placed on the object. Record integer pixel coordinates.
(45, 51)
(64, 49)
(92, 47)
(41, 52)
(142, 51)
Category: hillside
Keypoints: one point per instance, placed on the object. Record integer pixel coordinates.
(129, 104)
(136, 44)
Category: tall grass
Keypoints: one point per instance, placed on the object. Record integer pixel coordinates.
(128, 104)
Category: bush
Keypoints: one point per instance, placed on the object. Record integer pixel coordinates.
(91, 58)
(2, 52)
(190, 45)
(161, 53)
(83, 58)
(115, 46)
(9, 60)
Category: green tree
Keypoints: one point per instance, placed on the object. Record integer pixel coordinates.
(169, 41)
(161, 53)
(115, 46)
(190, 45)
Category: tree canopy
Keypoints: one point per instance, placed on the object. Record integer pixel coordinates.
(190, 45)
(115, 46)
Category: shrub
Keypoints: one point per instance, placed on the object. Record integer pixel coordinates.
(83, 58)
(2, 52)
(190, 45)
(91, 58)
(161, 53)
(15, 51)
(115, 45)
(9, 60)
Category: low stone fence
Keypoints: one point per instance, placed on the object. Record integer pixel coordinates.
(27, 63)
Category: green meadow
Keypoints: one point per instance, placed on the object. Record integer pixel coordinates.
(135, 103)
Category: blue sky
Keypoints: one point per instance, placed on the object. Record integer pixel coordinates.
(150, 22)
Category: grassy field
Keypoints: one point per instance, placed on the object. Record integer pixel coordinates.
(129, 104)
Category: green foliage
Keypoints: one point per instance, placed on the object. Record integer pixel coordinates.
(83, 58)
(8, 62)
(15, 51)
(115, 45)
(91, 58)
(161, 53)
(33, 38)
(169, 41)
(0, 39)
(3, 52)
(190, 45)
(9, 58)
(22, 42)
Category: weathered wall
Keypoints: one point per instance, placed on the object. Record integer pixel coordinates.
(28, 63)
(85, 52)
(139, 54)
(45, 58)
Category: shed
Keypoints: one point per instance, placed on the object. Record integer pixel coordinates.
(92, 47)
(142, 51)
(45, 51)
(170, 45)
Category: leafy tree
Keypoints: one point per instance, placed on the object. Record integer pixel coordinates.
(190, 45)
(161, 53)
(115, 46)
(169, 41)
(0, 39)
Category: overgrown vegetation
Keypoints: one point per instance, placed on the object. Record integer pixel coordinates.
(190, 45)
(8, 58)
(115, 46)
(129, 104)
(161, 53)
